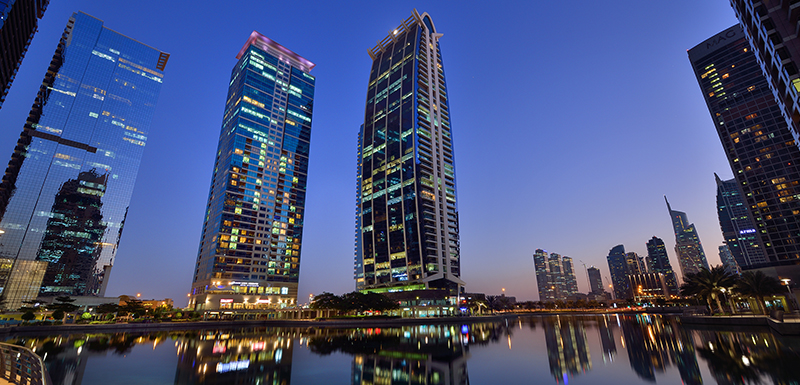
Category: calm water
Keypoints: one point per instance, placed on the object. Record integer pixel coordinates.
(531, 350)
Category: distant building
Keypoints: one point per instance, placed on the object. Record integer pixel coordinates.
(65, 193)
(634, 263)
(648, 286)
(570, 282)
(691, 256)
(618, 268)
(19, 21)
(595, 280)
(728, 261)
(658, 262)
(546, 290)
(555, 276)
(738, 228)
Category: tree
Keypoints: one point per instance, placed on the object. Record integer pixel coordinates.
(132, 307)
(107, 308)
(326, 301)
(708, 284)
(28, 315)
(64, 305)
(758, 285)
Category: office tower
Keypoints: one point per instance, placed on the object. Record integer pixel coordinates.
(648, 286)
(19, 20)
(738, 228)
(770, 27)
(252, 235)
(634, 263)
(728, 260)
(618, 267)
(64, 196)
(691, 256)
(761, 152)
(406, 205)
(595, 280)
(546, 290)
(659, 263)
(570, 282)
(557, 279)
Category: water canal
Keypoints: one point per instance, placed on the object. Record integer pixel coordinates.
(591, 349)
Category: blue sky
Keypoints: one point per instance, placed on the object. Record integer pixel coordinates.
(571, 121)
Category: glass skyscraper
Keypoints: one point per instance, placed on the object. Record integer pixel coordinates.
(595, 281)
(65, 194)
(658, 262)
(760, 148)
(19, 20)
(407, 233)
(738, 228)
(691, 256)
(555, 276)
(249, 253)
(618, 268)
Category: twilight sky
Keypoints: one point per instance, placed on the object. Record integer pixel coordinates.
(571, 121)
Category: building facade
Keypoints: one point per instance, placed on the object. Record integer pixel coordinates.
(570, 281)
(65, 194)
(555, 276)
(249, 255)
(760, 148)
(546, 290)
(406, 212)
(595, 280)
(738, 228)
(648, 286)
(618, 268)
(19, 20)
(770, 27)
(658, 262)
(691, 256)
(728, 260)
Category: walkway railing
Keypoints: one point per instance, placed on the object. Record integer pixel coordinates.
(20, 365)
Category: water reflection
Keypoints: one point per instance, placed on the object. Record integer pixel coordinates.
(657, 349)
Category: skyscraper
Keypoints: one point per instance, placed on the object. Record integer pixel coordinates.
(761, 151)
(618, 267)
(691, 256)
(18, 23)
(738, 228)
(570, 282)
(546, 290)
(659, 263)
(728, 261)
(595, 280)
(64, 196)
(408, 235)
(249, 253)
(555, 276)
(770, 26)
(635, 264)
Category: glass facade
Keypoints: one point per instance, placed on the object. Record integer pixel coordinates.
(738, 229)
(658, 262)
(249, 253)
(19, 20)
(760, 148)
(618, 267)
(65, 194)
(595, 280)
(406, 209)
(691, 256)
(555, 276)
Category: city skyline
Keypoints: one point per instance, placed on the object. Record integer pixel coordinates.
(531, 148)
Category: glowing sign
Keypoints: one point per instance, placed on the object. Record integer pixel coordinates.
(226, 300)
(260, 345)
(232, 366)
(219, 347)
(240, 283)
(262, 301)
(284, 290)
(747, 231)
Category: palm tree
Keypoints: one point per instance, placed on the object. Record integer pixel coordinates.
(759, 285)
(708, 284)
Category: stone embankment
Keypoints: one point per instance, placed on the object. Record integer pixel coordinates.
(787, 326)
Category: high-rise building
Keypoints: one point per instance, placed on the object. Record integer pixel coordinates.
(728, 260)
(691, 256)
(648, 286)
(19, 21)
(557, 279)
(761, 151)
(406, 211)
(770, 27)
(595, 280)
(570, 281)
(738, 228)
(659, 263)
(635, 263)
(618, 268)
(252, 235)
(546, 290)
(65, 194)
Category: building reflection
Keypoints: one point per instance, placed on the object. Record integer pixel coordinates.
(413, 355)
(605, 329)
(654, 343)
(567, 347)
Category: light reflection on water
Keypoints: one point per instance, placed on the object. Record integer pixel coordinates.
(592, 349)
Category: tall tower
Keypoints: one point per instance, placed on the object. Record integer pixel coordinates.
(19, 21)
(65, 194)
(738, 228)
(249, 253)
(691, 256)
(728, 261)
(595, 280)
(546, 289)
(760, 148)
(659, 263)
(557, 281)
(408, 235)
(618, 267)
(570, 281)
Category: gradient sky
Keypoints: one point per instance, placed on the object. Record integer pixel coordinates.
(571, 121)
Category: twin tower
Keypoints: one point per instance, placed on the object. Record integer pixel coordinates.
(406, 214)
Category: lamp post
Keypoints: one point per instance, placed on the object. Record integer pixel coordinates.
(791, 297)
